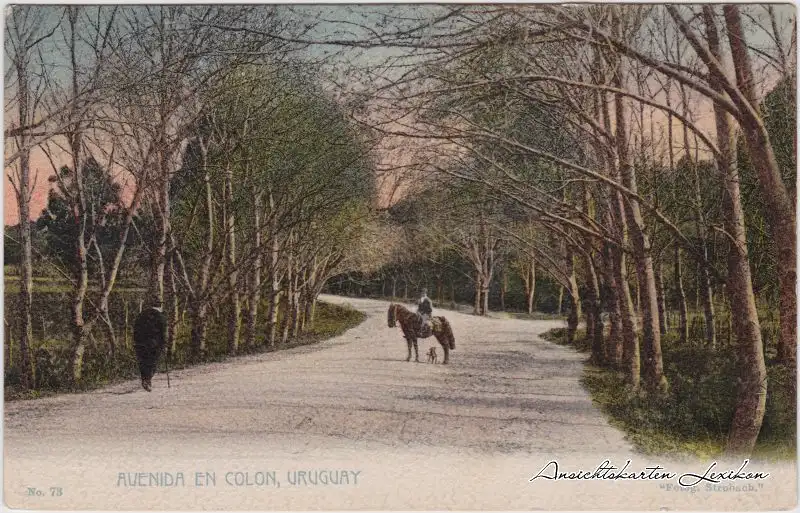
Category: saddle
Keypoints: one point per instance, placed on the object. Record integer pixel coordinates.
(426, 328)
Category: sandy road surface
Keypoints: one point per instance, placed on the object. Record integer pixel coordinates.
(408, 436)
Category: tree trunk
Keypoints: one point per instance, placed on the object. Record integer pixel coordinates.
(286, 313)
(80, 218)
(574, 298)
(255, 278)
(752, 375)
(273, 300)
(294, 325)
(198, 313)
(560, 299)
(171, 307)
(593, 302)
(653, 372)
(778, 207)
(274, 288)
(630, 338)
(593, 316)
(614, 341)
(82, 270)
(631, 364)
(26, 257)
(662, 307)
(704, 285)
(503, 287)
(530, 285)
(478, 289)
(159, 252)
(199, 306)
(751, 391)
(683, 310)
(683, 328)
(308, 312)
(234, 312)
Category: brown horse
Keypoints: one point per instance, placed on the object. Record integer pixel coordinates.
(413, 329)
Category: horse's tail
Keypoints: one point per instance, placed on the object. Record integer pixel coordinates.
(448, 332)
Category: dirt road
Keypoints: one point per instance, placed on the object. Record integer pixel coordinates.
(403, 435)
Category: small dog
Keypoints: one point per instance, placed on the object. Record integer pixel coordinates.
(432, 357)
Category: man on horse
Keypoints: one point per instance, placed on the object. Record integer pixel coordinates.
(425, 309)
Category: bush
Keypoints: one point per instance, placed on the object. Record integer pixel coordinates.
(50, 353)
(695, 415)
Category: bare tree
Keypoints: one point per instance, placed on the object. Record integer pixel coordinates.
(27, 28)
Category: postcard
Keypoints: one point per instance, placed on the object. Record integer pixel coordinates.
(400, 257)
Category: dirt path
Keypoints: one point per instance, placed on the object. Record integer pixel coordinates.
(413, 435)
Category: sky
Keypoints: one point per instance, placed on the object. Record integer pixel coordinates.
(339, 22)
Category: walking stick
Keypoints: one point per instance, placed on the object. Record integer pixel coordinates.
(166, 364)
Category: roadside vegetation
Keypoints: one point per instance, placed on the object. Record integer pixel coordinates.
(101, 369)
(694, 418)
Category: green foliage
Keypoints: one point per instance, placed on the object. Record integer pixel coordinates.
(779, 109)
(279, 135)
(695, 416)
(57, 221)
(559, 336)
(101, 369)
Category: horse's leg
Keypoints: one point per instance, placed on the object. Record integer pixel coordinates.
(416, 350)
(445, 347)
(408, 340)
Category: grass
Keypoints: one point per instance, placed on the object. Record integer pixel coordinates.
(99, 369)
(535, 316)
(694, 417)
(54, 285)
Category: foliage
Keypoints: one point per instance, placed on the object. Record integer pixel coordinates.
(59, 225)
(331, 321)
(695, 417)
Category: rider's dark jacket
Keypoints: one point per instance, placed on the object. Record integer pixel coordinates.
(425, 307)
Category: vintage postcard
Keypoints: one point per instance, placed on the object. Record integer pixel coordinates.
(400, 257)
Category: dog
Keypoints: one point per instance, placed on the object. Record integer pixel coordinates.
(432, 357)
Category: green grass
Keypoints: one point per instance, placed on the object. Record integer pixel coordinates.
(100, 370)
(694, 417)
(52, 285)
(559, 336)
(535, 316)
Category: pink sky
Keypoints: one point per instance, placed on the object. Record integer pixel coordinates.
(41, 169)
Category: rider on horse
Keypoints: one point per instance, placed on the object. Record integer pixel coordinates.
(425, 309)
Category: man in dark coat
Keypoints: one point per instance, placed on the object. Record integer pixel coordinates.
(149, 339)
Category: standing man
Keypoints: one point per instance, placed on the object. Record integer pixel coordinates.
(425, 309)
(149, 339)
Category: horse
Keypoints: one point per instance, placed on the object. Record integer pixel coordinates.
(413, 329)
